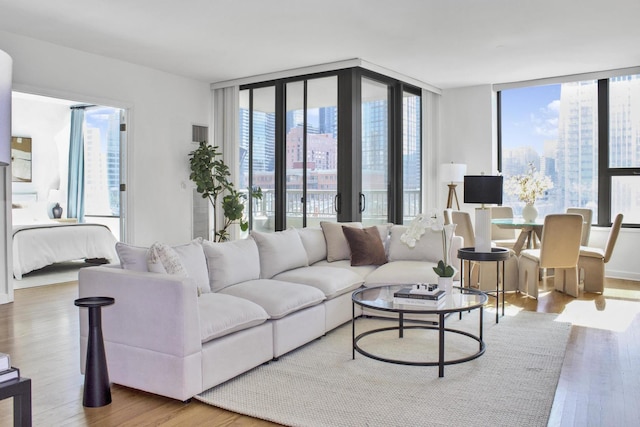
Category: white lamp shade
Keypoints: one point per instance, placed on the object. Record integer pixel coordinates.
(452, 172)
(5, 109)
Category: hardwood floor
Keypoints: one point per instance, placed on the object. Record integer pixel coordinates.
(599, 383)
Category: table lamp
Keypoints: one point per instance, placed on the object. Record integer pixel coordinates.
(5, 109)
(452, 173)
(483, 189)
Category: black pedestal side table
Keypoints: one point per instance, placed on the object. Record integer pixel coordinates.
(97, 391)
(20, 390)
(497, 255)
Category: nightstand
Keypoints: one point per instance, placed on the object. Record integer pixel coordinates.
(66, 220)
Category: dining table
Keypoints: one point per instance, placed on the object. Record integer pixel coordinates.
(530, 231)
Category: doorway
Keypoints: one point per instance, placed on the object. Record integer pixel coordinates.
(46, 121)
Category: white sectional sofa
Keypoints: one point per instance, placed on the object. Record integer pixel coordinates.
(233, 306)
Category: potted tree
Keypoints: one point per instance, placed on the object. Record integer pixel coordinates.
(211, 176)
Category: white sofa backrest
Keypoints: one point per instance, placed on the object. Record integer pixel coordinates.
(279, 251)
(314, 243)
(428, 248)
(231, 262)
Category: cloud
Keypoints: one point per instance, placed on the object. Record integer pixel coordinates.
(545, 120)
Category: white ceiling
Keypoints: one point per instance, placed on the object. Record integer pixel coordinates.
(446, 43)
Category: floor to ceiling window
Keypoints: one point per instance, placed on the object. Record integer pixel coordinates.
(374, 197)
(585, 136)
(345, 146)
(311, 151)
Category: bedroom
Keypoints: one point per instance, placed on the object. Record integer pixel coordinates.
(40, 151)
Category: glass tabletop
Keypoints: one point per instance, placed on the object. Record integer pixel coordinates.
(517, 222)
(381, 298)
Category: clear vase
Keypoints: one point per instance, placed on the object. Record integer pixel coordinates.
(529, 212)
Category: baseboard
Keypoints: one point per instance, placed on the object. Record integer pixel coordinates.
(626, 275)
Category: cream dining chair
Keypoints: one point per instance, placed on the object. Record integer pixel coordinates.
(587, 216)
(592, 260)
(503, 237)
(483, 274)
(559, 249)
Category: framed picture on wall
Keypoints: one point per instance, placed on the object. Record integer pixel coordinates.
(20, 159)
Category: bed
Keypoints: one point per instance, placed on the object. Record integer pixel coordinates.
(39, 241)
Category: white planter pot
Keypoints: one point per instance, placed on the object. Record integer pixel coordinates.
(446, 283)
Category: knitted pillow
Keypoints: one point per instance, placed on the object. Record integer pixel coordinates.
(168, 258)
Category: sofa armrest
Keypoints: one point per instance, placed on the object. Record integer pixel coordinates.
(158, 312)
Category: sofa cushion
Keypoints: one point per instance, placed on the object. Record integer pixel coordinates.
(331, 281)
(191, 255)
(222, 314)
(164, 259)
(314, 243)
(132, 257)
(193, 261)
(337, 246)
(428, 248)
(276, 297)
(279, 251)
(231, 262)
(365, 245)
(402, 272)
(345, 264)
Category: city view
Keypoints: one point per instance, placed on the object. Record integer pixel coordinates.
(320, 178)
(555, 127)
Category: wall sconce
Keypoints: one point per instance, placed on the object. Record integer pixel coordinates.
(483, 189)
(5, 109)
(452, 173)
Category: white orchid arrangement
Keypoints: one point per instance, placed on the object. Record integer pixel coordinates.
(419, 225)
(530, 186)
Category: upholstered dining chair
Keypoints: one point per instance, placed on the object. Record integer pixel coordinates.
(587, 217)
(483, 274)
(559, 249)
(592, 260)
(503, 237)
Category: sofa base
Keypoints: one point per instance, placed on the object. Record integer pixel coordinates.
(231, 355)
(297, 329)
(338, 311)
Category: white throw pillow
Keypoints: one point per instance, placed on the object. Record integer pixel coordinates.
(194, 262)
(314, 243)
(231, 262)
(165, 259)
(428, 248)
(337, 245)
(132, 257)
(279, 251)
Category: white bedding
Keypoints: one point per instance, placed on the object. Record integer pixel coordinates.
(38, 245)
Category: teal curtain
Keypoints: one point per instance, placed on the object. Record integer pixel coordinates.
(75, 186)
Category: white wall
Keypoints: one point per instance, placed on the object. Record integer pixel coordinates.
(162, 107)
(469, 136)
(47, 124)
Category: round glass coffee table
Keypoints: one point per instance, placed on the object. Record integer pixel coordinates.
(381, 299)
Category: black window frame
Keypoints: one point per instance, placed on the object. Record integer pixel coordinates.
(349, 129)
(605, 172)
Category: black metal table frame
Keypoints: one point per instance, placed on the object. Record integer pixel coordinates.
(20, 390)
(442, 362)
(496, 255)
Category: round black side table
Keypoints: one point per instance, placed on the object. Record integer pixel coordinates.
(97, 390)
(498, 255)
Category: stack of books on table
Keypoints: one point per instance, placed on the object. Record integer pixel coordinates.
(418, 295)
(6, 371)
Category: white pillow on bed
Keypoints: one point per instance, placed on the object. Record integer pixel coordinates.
(31, 213)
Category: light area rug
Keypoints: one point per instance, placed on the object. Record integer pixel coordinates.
(512, 384)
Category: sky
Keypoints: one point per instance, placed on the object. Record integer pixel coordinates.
(530, 116)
